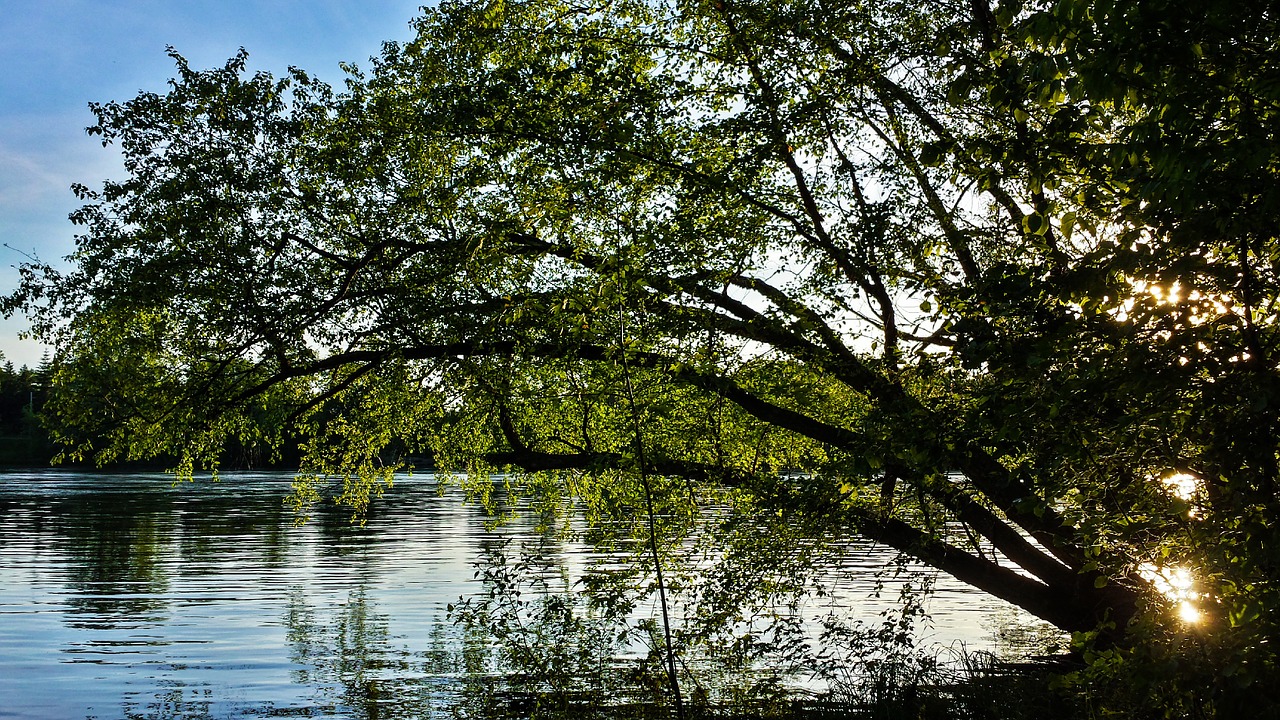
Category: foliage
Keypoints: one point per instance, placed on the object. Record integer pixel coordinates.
(969, 280)
(524, 653)
(563, 653)
(552, 649)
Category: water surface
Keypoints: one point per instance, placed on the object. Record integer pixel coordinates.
(124, 596)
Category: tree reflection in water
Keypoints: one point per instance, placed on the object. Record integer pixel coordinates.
(362, 671)
(357, 666)
(114, 570)
(186, 703)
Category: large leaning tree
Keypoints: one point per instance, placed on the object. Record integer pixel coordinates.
(993, 285)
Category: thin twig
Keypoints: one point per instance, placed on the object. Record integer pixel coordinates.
(653, 528)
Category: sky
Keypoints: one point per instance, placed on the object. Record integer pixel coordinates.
(59, 55)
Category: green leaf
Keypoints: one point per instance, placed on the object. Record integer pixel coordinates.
(1035, 224)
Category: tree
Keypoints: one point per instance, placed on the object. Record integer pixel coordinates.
(968, 280)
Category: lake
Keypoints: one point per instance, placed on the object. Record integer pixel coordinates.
(123, 596)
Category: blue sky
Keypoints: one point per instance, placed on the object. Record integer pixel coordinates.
(59, 55)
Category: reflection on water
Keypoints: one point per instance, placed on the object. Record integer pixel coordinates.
(123, 596)
(356, 664)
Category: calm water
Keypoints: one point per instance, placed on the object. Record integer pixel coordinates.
(124, 597)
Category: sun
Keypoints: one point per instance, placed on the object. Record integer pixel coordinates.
(1189, 613)
(1178, 585)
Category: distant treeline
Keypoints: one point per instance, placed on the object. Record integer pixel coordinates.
(23, 441)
